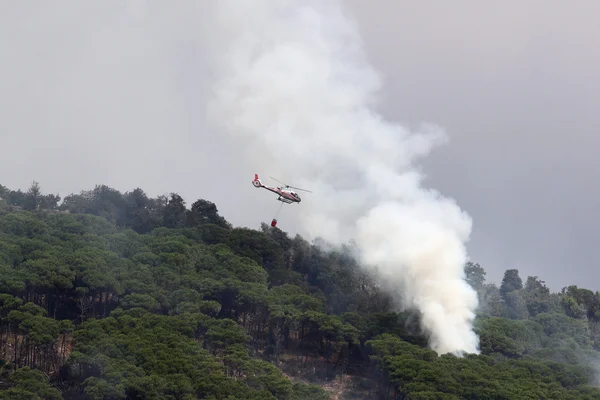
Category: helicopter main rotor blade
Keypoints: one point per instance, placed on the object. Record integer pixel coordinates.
(288, 186)
(297, 188)
(276, 180)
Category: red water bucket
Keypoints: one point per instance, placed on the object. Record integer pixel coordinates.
(274, 222)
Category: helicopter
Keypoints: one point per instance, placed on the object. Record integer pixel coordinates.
(285, 195)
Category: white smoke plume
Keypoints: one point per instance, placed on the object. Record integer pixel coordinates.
(295, 87)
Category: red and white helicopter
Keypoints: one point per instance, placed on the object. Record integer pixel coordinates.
(285, 195)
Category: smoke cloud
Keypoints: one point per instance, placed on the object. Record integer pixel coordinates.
(295, 89)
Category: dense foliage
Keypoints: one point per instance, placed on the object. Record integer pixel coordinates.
(110, 295)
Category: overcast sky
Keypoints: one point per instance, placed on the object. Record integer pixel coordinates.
(114, 92)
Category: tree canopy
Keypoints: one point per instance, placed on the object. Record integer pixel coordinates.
(110, 295)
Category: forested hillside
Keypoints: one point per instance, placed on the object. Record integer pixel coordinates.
(109, 295)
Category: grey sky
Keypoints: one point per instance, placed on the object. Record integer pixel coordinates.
(516, 85)
(115, 93)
